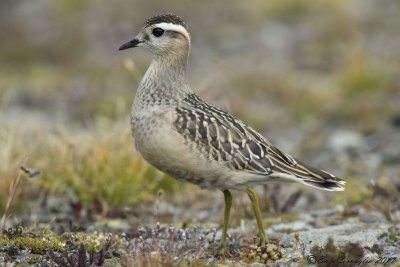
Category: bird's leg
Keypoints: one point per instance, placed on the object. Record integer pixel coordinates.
(256, 208)
(227, 212)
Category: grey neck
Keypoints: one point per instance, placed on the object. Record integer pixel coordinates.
(164, 82)
(172, 69)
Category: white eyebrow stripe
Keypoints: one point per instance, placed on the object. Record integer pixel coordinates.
(173, 27)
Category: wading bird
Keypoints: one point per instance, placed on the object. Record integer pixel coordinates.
(194, 141)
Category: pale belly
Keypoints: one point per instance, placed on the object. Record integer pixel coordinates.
(163, 147)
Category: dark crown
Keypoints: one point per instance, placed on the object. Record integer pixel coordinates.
(167, 18)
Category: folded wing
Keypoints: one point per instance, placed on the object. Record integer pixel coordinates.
(221, 137)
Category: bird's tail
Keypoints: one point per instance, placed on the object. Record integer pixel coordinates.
(317, 178)
(303, 173)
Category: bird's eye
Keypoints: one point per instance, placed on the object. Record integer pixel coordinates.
(157, 32)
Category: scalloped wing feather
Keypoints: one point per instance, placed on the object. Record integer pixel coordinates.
(221, 137)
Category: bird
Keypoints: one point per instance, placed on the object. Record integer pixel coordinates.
(195, 141)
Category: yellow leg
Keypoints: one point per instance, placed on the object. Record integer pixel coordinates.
(227, 213)
(256, 208)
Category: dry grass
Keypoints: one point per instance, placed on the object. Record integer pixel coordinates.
(95, 165)
(10, 197)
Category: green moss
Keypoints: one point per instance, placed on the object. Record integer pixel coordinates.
(33, 247)
(36, 259)
(394, 236)
(92, 241)
(37, 244)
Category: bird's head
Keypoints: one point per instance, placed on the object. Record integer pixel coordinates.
(163, 35)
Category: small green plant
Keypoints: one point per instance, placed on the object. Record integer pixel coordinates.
(37, 243)
(252, 252)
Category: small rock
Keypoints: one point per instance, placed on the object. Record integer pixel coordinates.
(373, 217)
(396, 121)
(292, 226)
(345, 140)
(364, 234)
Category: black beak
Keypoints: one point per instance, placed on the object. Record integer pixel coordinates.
(130, 44)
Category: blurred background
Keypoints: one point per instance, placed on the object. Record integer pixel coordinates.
(319, 78)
